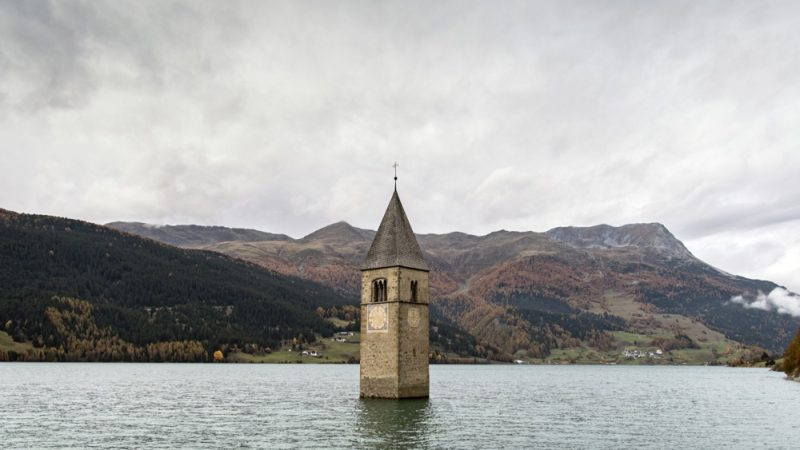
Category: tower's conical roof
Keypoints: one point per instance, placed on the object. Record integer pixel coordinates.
(395, 243)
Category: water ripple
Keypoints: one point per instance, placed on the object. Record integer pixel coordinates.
(292, 406)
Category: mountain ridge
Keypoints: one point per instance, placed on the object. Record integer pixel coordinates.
(72, 290)
(194, 236)
(520, 290)
(653, 235)
(84, 292)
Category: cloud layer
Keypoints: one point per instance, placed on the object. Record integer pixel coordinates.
(287, 116)
(779, 299)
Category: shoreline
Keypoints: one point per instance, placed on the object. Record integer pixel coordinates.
(315, 363)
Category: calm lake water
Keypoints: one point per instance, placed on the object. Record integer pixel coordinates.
(499, 406)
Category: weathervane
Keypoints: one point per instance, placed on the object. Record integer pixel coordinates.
(395, 165)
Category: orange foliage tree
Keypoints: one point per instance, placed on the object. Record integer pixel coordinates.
(791, 358)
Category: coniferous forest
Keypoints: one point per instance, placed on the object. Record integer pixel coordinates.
(78, 291)
(82, 292)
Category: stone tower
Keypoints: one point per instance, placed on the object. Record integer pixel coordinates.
(394, 311)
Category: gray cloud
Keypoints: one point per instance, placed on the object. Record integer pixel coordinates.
(286, 116)
(780, 300)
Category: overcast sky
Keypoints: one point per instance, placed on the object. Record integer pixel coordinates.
(287, 116)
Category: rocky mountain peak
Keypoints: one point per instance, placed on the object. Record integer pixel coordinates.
(653, 236)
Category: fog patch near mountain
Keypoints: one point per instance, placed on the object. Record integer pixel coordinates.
(779, 299)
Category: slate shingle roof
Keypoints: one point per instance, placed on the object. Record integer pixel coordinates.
(395, 243)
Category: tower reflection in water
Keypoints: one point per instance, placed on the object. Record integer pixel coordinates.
(394, 423)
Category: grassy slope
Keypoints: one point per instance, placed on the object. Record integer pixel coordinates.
(6, 344)
(331, 351)
(712, 352)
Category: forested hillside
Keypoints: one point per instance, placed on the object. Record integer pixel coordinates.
(568, 290)
(76, 291)
(80, 291)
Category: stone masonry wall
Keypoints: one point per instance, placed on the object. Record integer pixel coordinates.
(394, 363)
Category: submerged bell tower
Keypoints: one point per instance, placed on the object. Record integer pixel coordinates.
(394, 311)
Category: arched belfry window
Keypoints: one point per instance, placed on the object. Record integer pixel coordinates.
(414, 291)
(379, 290)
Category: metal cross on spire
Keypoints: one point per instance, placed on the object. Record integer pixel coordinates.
(395, 165)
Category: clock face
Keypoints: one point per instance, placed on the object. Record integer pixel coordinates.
(377, 318)
(413, 318)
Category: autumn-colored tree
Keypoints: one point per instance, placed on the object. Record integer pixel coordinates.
(600, 340)
(791, 358)
(218, 356)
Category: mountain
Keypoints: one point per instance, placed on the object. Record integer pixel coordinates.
(88, 292)
(75, 291)
(194, 236)
(652, 236)
(536, 295)
(340, 233)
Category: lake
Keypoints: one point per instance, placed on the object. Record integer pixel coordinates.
(84, 405)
